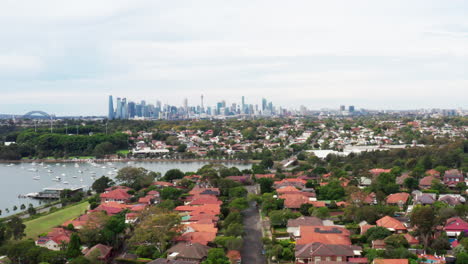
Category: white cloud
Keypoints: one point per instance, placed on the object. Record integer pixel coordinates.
(296, 51)
(13, 63)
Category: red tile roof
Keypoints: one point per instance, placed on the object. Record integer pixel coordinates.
(378, 171)
(233, 255)
(260, 176)
(390, 223)
(390, 261)
(197, 237)
(162, 184)
(333, 235)
(455, 224)
(396, 198)
(117, 194)
(294, 200)
(287, 189)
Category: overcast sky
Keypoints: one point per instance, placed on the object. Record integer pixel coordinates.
(66, 57)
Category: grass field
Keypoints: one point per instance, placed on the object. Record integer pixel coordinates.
(45, 223)
(123, 152)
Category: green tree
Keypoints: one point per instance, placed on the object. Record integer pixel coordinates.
(267, 163)
(332, 191)
(233, 217)
(73, 247)
(157, 228)
(423, 218)
(4, 233)
(181, 148)
(385, 183)
(266, 185)
(234, 229)
(377, 232)
(103, 149)
(80, 260)
(396, 241)
(239, 204)
(321, 212)
(135, 178)
(170, 193)
(16, 227)
(411, 183)
(102, 183)
(216, 256)
(173, 174)
(237, 192)
(462, 258)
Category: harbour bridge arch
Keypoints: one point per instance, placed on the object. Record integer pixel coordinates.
(32, 113)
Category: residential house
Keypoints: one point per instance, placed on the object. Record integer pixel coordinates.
(315, 252)
(399, 199)
(453, 177)
(454, 226)
(162, 184)
(188, 252)
(260, 176)
(425, 198)
(170, 261)
(102, 252)
(426, 182)
(390, 261)
(295, 200)
(377, 171)
(378, 244)
(54, 239)
(392, 224)
(295, 224)
(401, 179)
(452, 199)
(295, 182)
(332, 235)
(116, 195)
(234, 256)
(412, 241)
(364, 227)
(433, 173)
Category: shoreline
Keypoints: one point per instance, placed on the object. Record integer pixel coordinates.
(124, 160)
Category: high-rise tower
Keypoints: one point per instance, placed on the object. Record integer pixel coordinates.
(111, 108)
(243, 105)
(202, 108)
(118, 109)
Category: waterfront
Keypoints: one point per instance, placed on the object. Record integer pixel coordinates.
(22, 178)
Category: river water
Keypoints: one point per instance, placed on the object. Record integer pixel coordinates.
(24, 178)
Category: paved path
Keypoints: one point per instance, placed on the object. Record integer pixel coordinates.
(251, 251)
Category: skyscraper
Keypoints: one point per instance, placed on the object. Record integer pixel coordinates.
(202, 108)
(342, 108)
(351, 108)
(264, 104)
(131, 110)
(186, 105)
(243, 105)
(118, 109)
(111, 108)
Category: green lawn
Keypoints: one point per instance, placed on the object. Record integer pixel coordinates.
(43, 224)
(123, 152)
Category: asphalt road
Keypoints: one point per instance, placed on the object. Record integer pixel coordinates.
(251, 251)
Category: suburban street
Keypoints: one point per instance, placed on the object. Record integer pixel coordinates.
(252, 249)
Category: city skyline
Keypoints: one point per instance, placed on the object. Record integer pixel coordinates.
(64, 57)
(143, 109)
